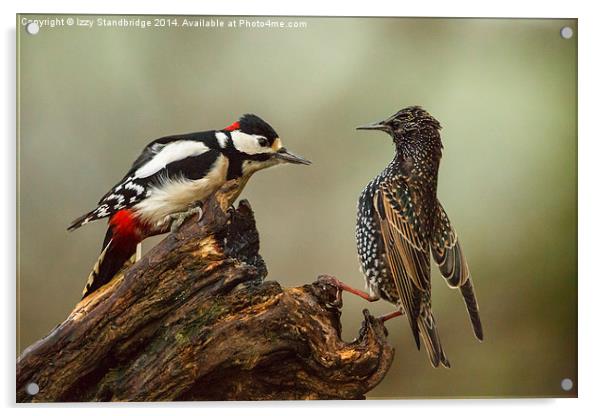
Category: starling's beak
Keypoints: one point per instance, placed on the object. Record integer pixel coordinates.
(287, 157)
(374, 126)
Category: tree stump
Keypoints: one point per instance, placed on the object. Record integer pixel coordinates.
(195, 320)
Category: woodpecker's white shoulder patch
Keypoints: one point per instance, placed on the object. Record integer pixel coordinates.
(222, 139)
(170, 153)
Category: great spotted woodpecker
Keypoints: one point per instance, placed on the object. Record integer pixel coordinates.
(167, 179)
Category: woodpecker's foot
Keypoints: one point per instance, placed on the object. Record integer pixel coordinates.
(344, 287)
(178, 218)
(385, 318)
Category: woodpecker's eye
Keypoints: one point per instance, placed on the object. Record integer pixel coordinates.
(263, 141)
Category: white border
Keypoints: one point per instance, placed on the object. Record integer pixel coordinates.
(590, 231)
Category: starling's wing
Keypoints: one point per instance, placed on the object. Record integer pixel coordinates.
(453, 266)
(447, 252)
(406, 250)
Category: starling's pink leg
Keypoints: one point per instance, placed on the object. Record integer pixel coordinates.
(391, 315)
(357, 292)
(342, 286)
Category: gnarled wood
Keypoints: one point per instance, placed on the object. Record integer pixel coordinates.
(194, 320)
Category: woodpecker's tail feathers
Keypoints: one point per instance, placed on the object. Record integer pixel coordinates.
(93, 277)
(78, 222)
(473, 308)
(430, 336)
(99, 212)
(83, 220)
(111, 260)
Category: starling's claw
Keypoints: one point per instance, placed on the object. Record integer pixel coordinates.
(333, 281)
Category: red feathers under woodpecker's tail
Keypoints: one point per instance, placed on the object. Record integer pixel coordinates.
(119, 246)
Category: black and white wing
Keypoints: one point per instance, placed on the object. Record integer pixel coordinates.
(174, 157)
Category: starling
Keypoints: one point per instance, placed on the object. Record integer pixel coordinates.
(400, 222)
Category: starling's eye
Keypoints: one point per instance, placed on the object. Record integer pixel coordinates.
(263, 141)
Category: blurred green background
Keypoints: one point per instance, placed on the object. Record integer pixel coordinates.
(504, 91)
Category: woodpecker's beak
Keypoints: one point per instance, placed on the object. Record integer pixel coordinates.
(287, 157)
(374, 126)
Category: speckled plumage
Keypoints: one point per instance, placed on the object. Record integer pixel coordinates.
(400, 223)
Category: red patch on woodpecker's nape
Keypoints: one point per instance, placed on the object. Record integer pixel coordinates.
(233, 126)
(125, 227)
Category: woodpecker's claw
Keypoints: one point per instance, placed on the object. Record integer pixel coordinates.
(179, 218)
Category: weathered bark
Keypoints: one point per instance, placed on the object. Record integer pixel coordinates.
(194, 320)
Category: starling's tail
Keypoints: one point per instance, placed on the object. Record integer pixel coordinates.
(430, 336)
(112, 258)
(473, 308)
